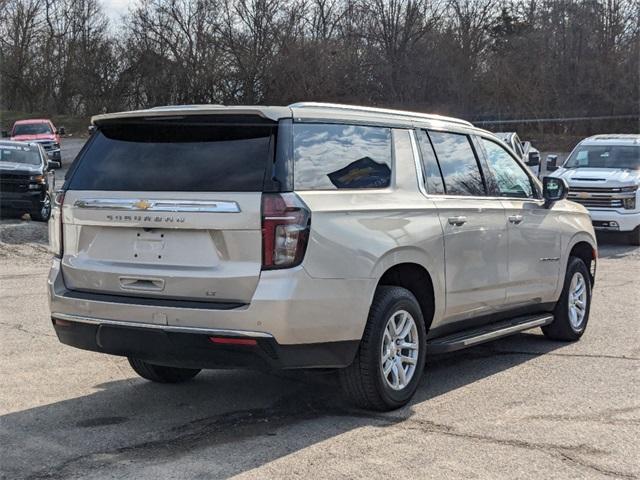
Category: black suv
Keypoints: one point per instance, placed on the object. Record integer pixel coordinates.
(24, 187)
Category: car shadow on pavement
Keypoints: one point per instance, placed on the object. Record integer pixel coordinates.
(134, 422)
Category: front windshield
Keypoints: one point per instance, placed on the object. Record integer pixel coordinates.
(31, 129)
(605, 156)
(19, 154)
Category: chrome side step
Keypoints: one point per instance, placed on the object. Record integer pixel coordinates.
(487, 333)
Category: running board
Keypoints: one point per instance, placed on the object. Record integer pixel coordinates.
(487, 333)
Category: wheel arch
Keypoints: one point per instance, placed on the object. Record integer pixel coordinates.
(418, 280)
(583, 246)
(419, 264)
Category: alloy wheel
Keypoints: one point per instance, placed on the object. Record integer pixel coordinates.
(577, 300)
(45, 208)
(399, 350)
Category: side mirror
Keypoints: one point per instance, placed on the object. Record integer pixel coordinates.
(534, 159)
(5, 134)
(552, 163)
(91, 129)
(554, 189)
(51, 164)
(61, 131)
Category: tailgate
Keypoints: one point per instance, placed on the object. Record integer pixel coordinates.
(168, 208)
(170, 245)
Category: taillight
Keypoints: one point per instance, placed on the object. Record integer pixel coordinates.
(286, 221)
(55, 225)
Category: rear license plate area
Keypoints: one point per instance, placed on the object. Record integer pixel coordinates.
(149, 245)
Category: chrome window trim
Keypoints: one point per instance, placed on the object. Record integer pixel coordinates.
(158, 205)
(421, 186)
(464, 197)
(156, 326)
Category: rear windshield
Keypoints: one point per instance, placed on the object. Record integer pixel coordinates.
(176, 156)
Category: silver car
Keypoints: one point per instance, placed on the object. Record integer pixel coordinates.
(309, 236)
(527, 152)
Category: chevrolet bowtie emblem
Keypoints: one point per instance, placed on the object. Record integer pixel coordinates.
(142, 205)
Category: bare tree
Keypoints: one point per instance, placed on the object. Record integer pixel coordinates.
(474, 58)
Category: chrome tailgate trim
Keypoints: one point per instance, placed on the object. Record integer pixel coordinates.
(141, 205)
(154, 326)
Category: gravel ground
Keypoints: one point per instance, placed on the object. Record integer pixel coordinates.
(521, 407)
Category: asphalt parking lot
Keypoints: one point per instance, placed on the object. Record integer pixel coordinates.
(522, 407)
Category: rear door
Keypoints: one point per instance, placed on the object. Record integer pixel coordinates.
(474, 227)
(169, 209)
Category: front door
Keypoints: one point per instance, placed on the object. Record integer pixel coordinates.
(534, 239)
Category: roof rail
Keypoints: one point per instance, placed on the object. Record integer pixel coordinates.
(386, 111)
(172, 107)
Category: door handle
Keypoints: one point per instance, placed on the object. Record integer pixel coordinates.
(457, 221)
(133, 283)
(515, 219)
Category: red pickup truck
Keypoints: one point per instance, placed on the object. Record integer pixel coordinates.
(43, 131)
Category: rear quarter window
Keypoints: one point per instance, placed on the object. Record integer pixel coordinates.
(338, 156)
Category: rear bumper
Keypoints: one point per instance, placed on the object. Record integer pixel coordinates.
(624, 222)
(194, 348)
(289, 308)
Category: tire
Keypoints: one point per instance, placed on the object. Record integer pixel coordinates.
(162, 374)
(634, 237)
(364, 382)
(565, 327)
(42, 211)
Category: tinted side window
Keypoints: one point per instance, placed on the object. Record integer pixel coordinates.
(458, 163)
(433, 176)
(333, 156)
(511, 180)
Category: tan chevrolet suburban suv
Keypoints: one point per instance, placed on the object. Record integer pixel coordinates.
(309, 236)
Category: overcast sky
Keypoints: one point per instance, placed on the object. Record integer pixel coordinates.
(116, 8)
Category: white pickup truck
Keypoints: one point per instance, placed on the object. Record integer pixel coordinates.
(603, 173)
